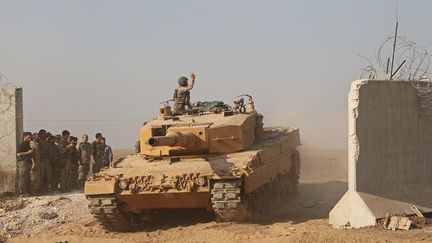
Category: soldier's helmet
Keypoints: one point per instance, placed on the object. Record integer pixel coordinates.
(183, 81)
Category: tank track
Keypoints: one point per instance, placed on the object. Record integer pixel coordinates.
(104, 209)
(226, 200)
(228, 204)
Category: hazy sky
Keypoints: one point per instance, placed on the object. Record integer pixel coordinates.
(92, 66)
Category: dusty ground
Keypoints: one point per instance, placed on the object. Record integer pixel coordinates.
(301, 219)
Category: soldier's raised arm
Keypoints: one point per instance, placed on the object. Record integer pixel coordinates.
(191, 85)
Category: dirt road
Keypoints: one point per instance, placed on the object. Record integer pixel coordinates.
(301, 219)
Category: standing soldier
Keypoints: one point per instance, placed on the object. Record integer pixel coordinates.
(66, 174)
(63, 152)
(73, 184)
(55, 167)
(45, 175)
(84, 160)
(108, 154)
(182, 95)
(98, 151)
(36, 169)
(24, 163)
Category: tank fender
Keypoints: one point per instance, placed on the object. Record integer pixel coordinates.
(100, 187)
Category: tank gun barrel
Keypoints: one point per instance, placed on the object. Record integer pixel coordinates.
(182, 139)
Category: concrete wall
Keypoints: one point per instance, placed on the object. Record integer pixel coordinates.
(390, 154)
(11, 123)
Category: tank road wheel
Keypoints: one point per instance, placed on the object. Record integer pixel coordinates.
(253, 206)
(260, 202)
(228, 204)
(267, 196)
(104, 209)
(277, 187)
(281, 186)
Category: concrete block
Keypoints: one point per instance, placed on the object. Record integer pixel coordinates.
(389, 154)
(11, 120)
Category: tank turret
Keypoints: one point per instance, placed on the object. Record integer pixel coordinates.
(207, 128)
(207, 132)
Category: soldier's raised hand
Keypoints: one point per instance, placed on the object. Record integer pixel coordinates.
(193, 76)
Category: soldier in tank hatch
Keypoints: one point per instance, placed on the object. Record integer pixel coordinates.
(182, 95)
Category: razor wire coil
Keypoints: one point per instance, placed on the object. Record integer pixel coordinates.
(411, 62)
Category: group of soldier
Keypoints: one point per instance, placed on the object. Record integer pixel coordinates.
(47, 162)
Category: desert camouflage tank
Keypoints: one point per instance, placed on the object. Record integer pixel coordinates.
(214, 157)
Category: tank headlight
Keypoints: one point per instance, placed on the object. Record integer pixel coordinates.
(123, 185)
(201, 181)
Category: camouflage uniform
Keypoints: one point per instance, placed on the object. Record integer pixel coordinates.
(55, 165)
(84, 153)
(67, 181)
(46, 172)
(98, 152)
(73, 183)
(36, 172)
(63, 154)
(182, 98)
(108, 156)
(23, 164)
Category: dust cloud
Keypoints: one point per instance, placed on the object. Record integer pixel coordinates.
(323, 133)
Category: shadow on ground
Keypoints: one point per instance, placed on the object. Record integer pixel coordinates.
(313, 201)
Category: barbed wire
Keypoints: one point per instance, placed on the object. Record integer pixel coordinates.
(412, 61)
(368, 72)
(4, 82)
(399, 58)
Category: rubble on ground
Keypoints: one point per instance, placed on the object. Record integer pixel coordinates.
(37, 214)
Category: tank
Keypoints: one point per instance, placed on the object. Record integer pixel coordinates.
(214, 157)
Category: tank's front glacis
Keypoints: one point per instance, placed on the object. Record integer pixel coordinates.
(137, 191)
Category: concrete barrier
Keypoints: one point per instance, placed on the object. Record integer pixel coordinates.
(389, 154)
(11, 123)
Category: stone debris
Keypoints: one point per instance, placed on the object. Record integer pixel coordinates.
(49, 215)
(32, 215)
(397, 223)
(417, 211)
(7, 205)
